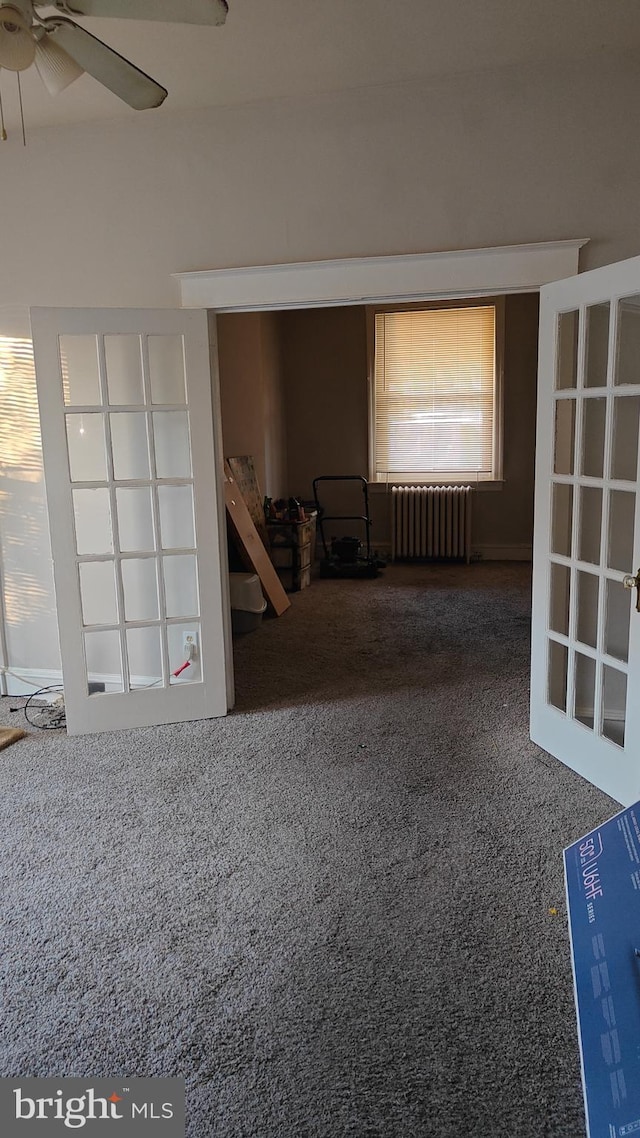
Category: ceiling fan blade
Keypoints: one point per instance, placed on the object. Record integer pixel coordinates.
(55, 66)
(169, 11)
(126, 81)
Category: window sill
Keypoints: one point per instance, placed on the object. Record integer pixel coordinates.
(490, 485)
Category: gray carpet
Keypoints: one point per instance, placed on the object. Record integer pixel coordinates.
(329, 912)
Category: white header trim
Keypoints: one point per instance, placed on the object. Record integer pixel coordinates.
(374, 280)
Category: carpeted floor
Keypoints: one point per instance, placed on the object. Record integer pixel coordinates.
(330, 911)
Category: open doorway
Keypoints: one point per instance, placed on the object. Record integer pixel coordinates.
(302, 417)
(295, 366)
(295, 395)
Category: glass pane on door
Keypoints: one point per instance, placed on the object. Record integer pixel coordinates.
(135, 519)
(627, 370)
(593, 430)
(597, 345)
(172, 448)
(129, 445)
(614, 705)
(590, 524)
(562, 518)
(92, 521)
(79, 367)
(103, 659)
(587, 608)
(624, 452)
(144, 656)
(123, 361)
(565, 436)
(567, 368)
(175, 636)
(98, 592)
(176, 516)
(560, 588)
(86, 448)
(181, 585)
(617, 621)
(622, 506)
(558, 662)
(166, 369)
(585, 674)
(140, 588)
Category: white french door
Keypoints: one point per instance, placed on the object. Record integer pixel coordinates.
(132, 471)
(585, 677)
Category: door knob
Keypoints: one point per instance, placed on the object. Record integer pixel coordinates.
(631, 582)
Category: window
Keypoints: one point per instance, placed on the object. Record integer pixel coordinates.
(436, 412)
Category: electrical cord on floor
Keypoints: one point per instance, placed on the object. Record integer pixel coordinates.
(55, 714)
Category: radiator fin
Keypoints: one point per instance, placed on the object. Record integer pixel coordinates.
(431, 522)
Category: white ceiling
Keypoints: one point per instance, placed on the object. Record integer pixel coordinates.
(274, 48)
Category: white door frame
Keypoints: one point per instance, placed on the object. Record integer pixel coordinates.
(374, 280)
(416, 277)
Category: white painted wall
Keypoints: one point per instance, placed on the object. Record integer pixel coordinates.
(102, 214)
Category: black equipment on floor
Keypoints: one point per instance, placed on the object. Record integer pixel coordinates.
(347, 556)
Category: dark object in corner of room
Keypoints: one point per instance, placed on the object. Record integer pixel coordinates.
(346, 548)
(283, 510)
(347, 556)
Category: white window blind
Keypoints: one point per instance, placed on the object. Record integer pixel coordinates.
(435, 393)
(20, 445)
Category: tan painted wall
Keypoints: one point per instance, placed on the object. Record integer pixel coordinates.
(239, 358)
(324, 354)
(505, 517)
(325, 379)
(273, 400)
(251, 394)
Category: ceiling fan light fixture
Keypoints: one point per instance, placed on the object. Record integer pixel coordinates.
(17, 45)
(62, 49)
(55, 66)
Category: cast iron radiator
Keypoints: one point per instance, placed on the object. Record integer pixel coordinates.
(431, 521)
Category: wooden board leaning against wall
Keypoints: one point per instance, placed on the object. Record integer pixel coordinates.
(250, 545)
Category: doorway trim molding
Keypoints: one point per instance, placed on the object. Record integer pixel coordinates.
(374, 280)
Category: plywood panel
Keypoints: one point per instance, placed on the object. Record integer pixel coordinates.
(250, 546)
(244, 472)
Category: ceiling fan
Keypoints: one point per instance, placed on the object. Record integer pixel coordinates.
(62, 50)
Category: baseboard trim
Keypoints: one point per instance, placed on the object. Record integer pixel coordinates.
(25, 681)
(502, 552)
(478, 552)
